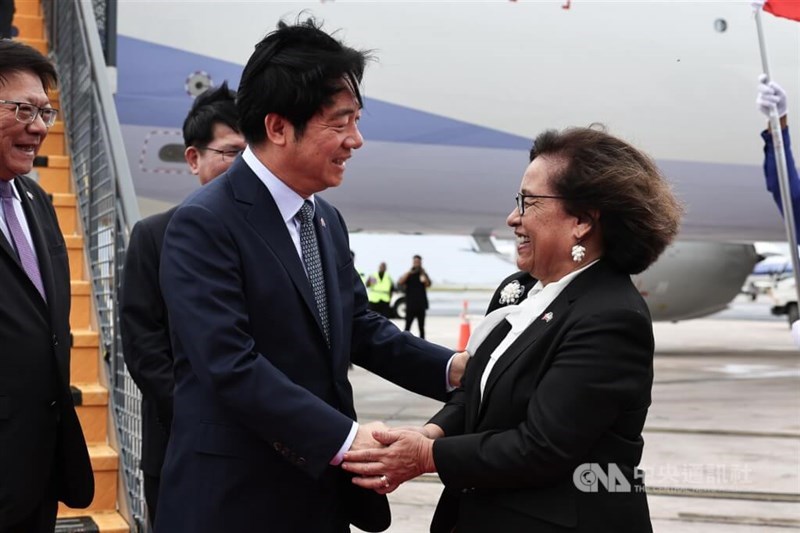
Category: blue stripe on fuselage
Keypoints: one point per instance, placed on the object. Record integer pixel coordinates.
(152, 92)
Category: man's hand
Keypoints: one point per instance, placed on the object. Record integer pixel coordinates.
(407, 455)
(770, 94)
(364, 439)
(457, 367)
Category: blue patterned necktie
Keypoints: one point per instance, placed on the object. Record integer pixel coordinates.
(18, 240)
(310, 249)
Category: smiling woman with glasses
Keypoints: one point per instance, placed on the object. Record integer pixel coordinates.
(559, 384)
(27, 113)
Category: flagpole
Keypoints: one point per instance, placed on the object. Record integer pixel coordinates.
(780, 160)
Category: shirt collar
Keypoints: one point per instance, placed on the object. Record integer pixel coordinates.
(287, 200)
(558, 286)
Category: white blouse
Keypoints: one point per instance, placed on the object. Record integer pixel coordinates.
(520, 316)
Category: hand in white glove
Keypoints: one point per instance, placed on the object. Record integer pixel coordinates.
(770, 94)
(757, 5)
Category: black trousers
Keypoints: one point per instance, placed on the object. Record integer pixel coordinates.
(419, 314)
(41, 520)
(151, 485)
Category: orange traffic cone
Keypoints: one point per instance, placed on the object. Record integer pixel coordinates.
(464, 330)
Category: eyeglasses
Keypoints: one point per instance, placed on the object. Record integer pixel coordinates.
(521, 200)
(227, 155)
(27, 113)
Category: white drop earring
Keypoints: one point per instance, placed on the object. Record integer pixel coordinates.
(578, 251)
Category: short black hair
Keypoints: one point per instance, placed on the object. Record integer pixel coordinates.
(213, 106)
(17, 57)
(295, 71)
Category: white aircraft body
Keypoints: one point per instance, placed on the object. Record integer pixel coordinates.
(461, 88)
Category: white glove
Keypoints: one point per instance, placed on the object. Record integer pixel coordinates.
(757, 5)
(770, 94)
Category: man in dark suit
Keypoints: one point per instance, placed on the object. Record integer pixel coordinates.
(267, 312)
(43, 455)
(212, 143)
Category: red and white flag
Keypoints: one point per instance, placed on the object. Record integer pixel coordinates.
(788, 9)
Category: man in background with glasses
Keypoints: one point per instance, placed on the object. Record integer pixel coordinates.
(212, 143)
(43, 455)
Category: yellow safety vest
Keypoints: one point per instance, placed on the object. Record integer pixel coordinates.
(381, 291)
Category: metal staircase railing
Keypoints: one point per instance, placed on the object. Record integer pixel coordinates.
(108, 210)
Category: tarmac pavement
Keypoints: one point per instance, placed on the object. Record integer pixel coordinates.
(722, 439)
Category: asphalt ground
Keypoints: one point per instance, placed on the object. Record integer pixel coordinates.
(722, 439)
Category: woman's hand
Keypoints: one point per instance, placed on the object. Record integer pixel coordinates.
(407, 454)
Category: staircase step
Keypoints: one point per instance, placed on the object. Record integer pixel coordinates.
(54, 171)
(28, 7)
(91, 403)
(55, 180)
(104, 464)
(102, 521)
(66, 212)
(39, 44)
(85, 356)
(54, 142)
(80, 316)
(76, 256)
(29, 26)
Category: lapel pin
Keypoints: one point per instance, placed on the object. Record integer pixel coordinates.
(322, 221)
(547, 317)
(29, 194)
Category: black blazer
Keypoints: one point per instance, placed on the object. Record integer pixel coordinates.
(261, 403)
(41, 440)
(144, 325)
(572, 389)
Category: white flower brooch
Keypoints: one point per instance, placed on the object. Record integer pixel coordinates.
(511, 293)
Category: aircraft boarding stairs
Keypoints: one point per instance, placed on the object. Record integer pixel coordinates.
(91, 397)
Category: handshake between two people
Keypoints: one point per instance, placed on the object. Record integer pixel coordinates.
(382, 458)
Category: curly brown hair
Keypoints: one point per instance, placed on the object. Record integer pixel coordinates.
(639, 216)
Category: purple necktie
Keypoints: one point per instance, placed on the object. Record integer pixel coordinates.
(26, 255)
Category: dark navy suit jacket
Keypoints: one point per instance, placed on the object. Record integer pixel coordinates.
(262, 404)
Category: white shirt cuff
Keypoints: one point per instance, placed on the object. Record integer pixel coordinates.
(339, 457)
(448, 386)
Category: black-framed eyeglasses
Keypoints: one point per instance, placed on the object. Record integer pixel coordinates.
(227, 155)
(521, 200)
(27, 113)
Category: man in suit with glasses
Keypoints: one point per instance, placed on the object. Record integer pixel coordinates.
(43, 454)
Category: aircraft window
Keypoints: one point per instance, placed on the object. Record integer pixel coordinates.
(172, 153)
(720, 25)
(197, 82)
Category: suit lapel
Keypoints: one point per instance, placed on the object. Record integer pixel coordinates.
(524, 343)
(556, 312)
(265, 217)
